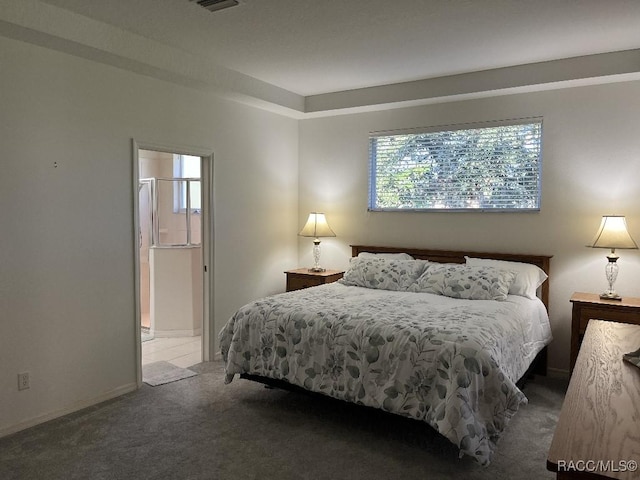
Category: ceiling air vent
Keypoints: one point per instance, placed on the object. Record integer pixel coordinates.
(215, 5)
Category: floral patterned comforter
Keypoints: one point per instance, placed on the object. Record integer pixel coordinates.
(449, 362)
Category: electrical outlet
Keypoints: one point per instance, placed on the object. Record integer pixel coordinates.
(23, 381)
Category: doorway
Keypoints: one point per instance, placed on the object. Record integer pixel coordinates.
(173, 254)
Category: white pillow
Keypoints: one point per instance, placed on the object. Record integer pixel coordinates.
(529, 277)
(388, 256)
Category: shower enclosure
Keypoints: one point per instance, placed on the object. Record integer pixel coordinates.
(170, 256)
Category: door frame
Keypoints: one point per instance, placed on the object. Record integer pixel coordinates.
(206, 172)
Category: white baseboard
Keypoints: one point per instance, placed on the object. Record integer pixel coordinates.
(32, 422)
(177, 333)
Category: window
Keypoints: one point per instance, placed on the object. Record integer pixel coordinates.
(187, 167)
(493, 167)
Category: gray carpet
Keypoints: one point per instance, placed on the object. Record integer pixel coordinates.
(160, 373)
(199, 428)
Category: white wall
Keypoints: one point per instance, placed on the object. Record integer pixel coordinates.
(66, 240)
(591, 167)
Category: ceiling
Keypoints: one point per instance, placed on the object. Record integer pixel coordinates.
(306, 51)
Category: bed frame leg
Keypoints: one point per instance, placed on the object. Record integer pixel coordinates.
(540, 367)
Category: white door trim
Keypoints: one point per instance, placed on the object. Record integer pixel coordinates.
(208, 326)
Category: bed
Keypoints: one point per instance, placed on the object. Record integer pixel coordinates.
(438, 336)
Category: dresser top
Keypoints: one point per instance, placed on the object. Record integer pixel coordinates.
(599, 417)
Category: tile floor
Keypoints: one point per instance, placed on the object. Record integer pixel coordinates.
(181, 351)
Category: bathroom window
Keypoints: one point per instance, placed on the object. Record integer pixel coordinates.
(188, 168)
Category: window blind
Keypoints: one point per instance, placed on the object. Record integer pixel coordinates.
(493, 168)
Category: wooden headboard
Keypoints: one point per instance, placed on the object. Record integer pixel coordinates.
(452, 256)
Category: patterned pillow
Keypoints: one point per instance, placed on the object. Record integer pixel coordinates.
(463, 281)
(383, 273)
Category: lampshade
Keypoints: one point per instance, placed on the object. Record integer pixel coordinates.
(613, 234)
(316, 226)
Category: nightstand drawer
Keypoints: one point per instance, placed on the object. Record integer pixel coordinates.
(296, 282)
(587, 313)
(303, 278)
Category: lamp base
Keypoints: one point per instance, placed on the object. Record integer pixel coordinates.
(610, 296)
(317, 269)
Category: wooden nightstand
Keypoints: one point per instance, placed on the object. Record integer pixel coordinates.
(303, 278)
(587, 306)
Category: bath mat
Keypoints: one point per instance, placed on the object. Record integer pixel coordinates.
(159, 373)
(145, 335)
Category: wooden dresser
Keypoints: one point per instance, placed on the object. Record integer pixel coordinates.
(598, 432)
(303, 278)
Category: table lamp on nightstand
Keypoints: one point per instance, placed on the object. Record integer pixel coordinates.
(612, 234)
(316, 227)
